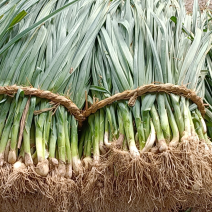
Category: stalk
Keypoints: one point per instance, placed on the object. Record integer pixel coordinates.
(207, 139)
(197, 126)
(6, 152)
(202, 121)
(147, 102)
(191, 123)
(12, 157)
(42, 167)
(139, 124)
(200, 127)
(151, 139)
(106, 134)
(175, 132)
(48, 127)
(114, 123)
(125, 144)
(76, 163)
(128, 127)
(5, 107)
(19, 165)
(96, 152)
(163, 117)
(111, 137)
(85, 141)
(26, 133)
(177, 113)
(146, 123)
(109, 118)
(61, 140)
(101, 130)
(82, 142)
(91, 120)
(88, 139)
(32, 139)
(209, 132)
(6, 131)
(52, 142)
(187, 132)
(162, 146)
(68, 148)
(119, 142)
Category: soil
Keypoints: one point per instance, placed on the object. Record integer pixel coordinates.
(202, 4)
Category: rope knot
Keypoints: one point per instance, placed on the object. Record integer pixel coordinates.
(133, 99)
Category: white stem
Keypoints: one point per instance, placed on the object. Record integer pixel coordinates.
(77, 165)
(151, 139)
(18, 166)
(12, 157)
(101, 147)
(68, 171)
(107, 144)
(87, 162)
(203, 125)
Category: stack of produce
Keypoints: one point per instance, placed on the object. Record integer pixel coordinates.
(38, 134)
(138, 70)
(140, 44)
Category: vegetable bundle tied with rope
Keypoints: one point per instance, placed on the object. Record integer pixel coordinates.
(39, 132)
(155, 138)
(102, 104)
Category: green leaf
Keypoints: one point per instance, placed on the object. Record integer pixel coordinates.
(100, 89)
(3, 100)
(18, 18)
(209, 124)
(20, 93)
(90, 100)
(20, 35)
(174, 19)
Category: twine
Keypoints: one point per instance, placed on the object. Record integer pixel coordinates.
(150, 88)
(62, 100)
(128, 94)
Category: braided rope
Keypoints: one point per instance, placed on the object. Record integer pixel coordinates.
(128, 94)
(71, 107)
(150, 88)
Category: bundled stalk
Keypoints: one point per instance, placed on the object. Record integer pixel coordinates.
(120, 53)
(150, 152)
(39, 138)
(154, 136)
